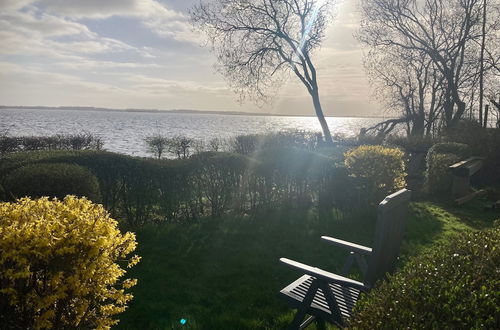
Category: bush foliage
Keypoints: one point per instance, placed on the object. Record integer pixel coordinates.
(52, 180)
(61, 264)
(378, 170)
(139, 190)
(439, 158)
(454, 286)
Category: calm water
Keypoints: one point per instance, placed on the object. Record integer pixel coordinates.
(124, 132)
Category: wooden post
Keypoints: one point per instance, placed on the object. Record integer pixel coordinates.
(486, 109)
(460, 186)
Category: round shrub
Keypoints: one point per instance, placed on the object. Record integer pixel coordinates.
(454, 286)
(439, 158)
(459, 149)
(52, 180)
(58, 265)
(378, 170)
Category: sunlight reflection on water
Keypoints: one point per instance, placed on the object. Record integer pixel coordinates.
(124, 132)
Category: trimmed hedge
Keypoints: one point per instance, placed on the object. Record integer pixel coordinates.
(52, 180)
(439, 157)
(454, 286)
(139, 190)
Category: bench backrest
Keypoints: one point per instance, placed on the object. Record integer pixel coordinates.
(389, 231)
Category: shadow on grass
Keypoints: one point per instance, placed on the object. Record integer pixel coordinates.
(224, 273)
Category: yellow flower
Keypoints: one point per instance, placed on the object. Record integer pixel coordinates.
(63, 254)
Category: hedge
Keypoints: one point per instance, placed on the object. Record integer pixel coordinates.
(53, 180)
(439, 157)
(454, 286)
(139, 190)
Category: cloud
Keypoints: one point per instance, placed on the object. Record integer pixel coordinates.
(108, 8)
(44, 25)
(14, 5)
(160, 19)
(41, 34)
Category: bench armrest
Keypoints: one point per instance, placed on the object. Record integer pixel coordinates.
(351, 247)
(324, 275)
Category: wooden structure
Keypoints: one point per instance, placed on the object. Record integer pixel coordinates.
(331, 297)
(462, 172)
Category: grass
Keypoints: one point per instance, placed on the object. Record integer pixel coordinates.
(224, 273)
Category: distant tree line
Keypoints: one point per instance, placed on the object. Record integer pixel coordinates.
(182, 147)
(80, 141)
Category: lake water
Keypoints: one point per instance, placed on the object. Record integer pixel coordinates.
(124, 132)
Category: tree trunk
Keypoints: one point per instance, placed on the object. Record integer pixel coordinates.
(461, 106)
(321, 117)
(418, 125)
(486, 109)
(481, 72)
(448, 106)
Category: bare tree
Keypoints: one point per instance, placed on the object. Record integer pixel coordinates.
(447, 32)
(408, 83)
(258, 41)
(157, 144)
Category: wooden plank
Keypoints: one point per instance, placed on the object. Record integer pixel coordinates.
(467, 167)
(474, 166)
(470, 196)
(459, 164)
(323, 274)
(348, 245)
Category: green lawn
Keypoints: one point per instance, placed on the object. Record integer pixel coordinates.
(224, 273)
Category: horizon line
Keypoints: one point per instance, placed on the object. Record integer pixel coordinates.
(194, 111)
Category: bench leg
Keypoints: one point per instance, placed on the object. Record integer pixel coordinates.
(302, 310)
(320, 324)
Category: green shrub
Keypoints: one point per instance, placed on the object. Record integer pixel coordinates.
(377, 170)
(411, 143)
(62, 265)
(454, 286)
(484, 142)
(459, 149)
(252, 143)
(218, 177)
(53, 180)
(287, 175)
(137, 190)
(439, 158)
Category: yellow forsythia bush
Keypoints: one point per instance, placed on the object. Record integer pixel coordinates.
(379, 170)
(61, 265)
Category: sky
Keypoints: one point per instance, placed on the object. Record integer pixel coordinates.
(145, 54)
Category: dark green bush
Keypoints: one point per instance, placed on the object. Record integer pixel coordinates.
(485, 142)
(411, 143)
(439, 158)
(53, 180)
(253, 143)
(137, 190)
(459, 149)
(454, 286)
(218, 177)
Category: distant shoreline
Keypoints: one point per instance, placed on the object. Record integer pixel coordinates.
(186, 111)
